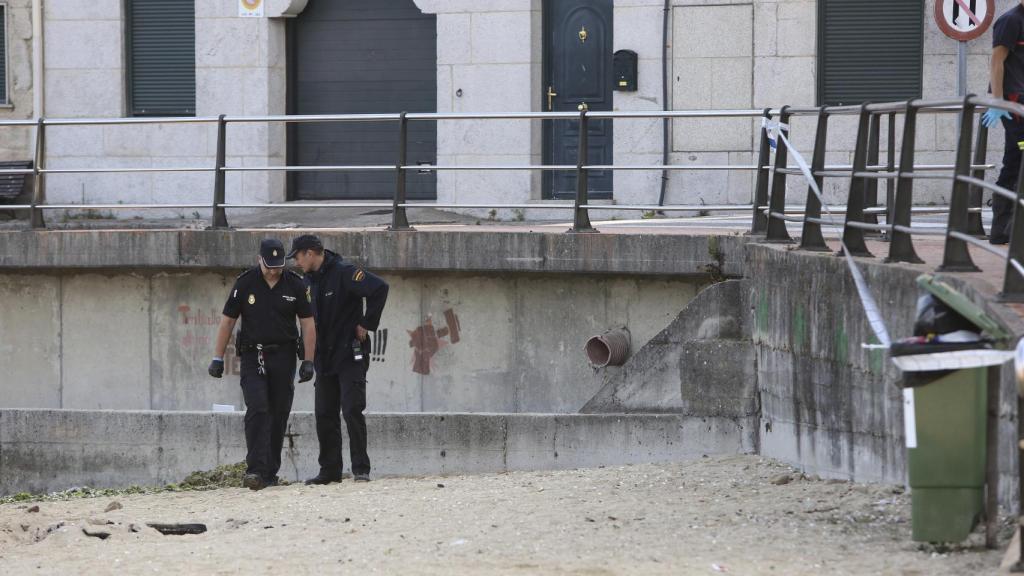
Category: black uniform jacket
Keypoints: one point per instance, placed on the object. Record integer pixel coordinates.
(338, 290)
(268, 314)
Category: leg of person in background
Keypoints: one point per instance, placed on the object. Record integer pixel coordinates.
(353, 403)
(328, 429)
(1002, 208)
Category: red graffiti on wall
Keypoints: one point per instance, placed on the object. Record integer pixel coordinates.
(426, 341)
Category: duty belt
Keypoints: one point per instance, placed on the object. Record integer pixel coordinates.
(244, 347)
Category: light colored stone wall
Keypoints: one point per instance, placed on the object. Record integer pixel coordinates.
(759, 53)
(240, 70)
(488, 60)
(16, 143)
(784, 71)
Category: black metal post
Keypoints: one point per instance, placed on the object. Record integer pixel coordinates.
(994, 380)
(890, 165)
(810, 237)
(853, 237)
(777, 231)
(1013, 281)
(38, 180)
(399, 219)
(956, 257)
(581, 217)
(219, 218)
(759, 221)
(974, 224)
(901, 246)
(871, 185)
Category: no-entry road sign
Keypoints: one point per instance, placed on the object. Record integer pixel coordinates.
(964, 20)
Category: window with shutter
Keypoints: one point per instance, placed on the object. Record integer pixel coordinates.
(869, 50)
(161, 40)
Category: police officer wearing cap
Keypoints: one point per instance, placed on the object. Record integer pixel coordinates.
(338, 290)
(268, 299)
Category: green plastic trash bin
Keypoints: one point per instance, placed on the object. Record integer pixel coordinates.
(947, 461)
(946, 439)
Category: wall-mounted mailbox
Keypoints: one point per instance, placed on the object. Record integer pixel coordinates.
(624, 70)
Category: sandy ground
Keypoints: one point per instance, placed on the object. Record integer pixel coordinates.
(713, 516)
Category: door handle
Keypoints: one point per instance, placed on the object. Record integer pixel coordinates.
(551, 94)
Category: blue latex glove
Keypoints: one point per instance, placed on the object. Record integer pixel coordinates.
(992, 117)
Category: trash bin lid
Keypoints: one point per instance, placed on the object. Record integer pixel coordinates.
(962, 305)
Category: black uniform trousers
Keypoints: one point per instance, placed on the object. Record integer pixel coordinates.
(268, 402)
(345, 392)
(1002, 208)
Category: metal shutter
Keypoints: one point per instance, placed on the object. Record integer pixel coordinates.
(360, 57)
(3, 54)
(869, 50)
(162, 57)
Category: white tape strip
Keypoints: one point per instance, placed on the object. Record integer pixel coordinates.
(774, 127)
(866, 300)
(909, 418)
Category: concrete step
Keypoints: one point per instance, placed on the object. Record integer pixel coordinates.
(702, 364)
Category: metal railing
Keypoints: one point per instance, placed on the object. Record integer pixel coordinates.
(399, 204)
(964, 225)
(769, 212)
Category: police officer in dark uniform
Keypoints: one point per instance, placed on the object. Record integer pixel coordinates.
(338, 290)
(1007, 83)
(268, 299)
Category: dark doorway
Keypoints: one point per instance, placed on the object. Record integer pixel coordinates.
(577, 70)
(361, 57)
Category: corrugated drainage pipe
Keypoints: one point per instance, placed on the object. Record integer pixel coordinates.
(608, 349)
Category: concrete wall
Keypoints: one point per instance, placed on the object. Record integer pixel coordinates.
(47, 450)
(481, 251)
(702, 364)
(481, 343)
(827, 404)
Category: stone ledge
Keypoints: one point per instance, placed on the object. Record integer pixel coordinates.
(422, 251)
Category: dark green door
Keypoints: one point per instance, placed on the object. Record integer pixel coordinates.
(577, 70)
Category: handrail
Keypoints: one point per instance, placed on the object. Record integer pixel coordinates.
(768, 210)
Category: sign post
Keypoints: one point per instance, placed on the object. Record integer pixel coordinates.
(963, 20)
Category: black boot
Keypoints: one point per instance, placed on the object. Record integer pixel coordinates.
(322, 478)
(254, 482)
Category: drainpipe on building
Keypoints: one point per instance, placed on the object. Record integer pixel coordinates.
(664, 101)
(37, 59)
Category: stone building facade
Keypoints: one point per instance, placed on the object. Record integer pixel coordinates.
(490, 57)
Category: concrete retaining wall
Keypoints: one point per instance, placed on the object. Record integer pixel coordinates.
(829, 405)
(47, 450)
(447, 342)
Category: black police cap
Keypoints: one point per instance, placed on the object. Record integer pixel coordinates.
(305, 242)
(272, 253)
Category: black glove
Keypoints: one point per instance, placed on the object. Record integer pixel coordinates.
(216, 368)
(306, 371)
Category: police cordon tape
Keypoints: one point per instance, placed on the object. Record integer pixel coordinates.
(866, 299)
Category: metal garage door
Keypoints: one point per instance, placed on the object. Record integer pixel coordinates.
(356, 57)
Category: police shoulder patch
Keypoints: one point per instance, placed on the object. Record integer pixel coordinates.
(358, 276)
